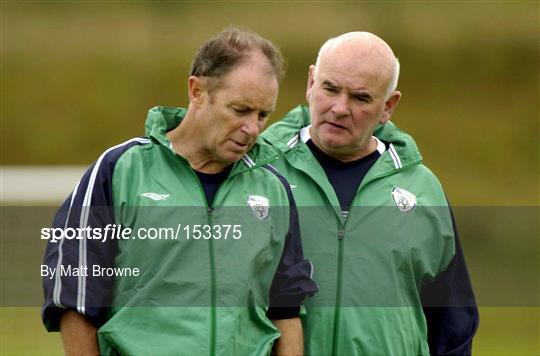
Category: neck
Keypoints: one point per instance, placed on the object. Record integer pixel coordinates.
(186, 142)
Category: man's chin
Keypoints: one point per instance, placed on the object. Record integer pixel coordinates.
(233, 156)
(332, 140)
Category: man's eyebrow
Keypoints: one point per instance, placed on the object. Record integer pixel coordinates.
(362, 95)
(247, 107)
(329, 83)
(242, 106)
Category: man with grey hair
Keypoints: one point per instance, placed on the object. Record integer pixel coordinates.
(231, 278)
(374, 219)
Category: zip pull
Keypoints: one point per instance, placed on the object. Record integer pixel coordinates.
(341, 233)
(210, 210)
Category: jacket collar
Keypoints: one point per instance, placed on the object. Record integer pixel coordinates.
(402, 151)
(162, 119)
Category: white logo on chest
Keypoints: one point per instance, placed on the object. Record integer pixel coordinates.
(259, 205)
(155, 196)
(404, 200)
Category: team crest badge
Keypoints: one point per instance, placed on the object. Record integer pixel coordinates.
(405, 201)
(259, 205)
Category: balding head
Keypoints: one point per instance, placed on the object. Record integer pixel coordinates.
(363, 46)
(350, 91)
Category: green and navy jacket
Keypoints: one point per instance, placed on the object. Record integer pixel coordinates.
(213, 287)
(391, 273)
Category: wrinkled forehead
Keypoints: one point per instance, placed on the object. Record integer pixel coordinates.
(251, 84)
(358, 60)
(251, 67)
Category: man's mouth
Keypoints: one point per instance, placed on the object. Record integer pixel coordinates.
(240, 144)
(336, 125)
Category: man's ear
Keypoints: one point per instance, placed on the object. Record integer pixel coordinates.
(310, 81)
(196, 90)
(389, 106)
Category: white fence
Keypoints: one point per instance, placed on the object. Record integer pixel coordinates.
(34, 184)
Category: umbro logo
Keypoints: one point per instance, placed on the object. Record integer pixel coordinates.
(155, 196)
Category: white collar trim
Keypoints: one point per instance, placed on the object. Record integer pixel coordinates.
(381, 147)
(304, 134)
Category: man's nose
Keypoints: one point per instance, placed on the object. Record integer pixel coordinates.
(340, 105)
(251, 126)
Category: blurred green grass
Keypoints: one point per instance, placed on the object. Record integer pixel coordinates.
(504, 331)
(23, 334)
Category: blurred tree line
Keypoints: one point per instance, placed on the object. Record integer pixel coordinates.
(78, 78)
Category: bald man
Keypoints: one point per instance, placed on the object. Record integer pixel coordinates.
(374, 219)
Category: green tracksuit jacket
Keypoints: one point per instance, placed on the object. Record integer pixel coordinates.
(204, 285)
(371, 265)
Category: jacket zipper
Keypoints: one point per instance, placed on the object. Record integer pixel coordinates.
(213, 296)
(213, 288)
(341, 236)
(337, 309)
(213, 281)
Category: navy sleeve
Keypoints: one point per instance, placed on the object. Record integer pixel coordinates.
(88, 209)
(292, 281)
(450, 308)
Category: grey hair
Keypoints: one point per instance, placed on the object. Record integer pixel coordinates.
(335, 41)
